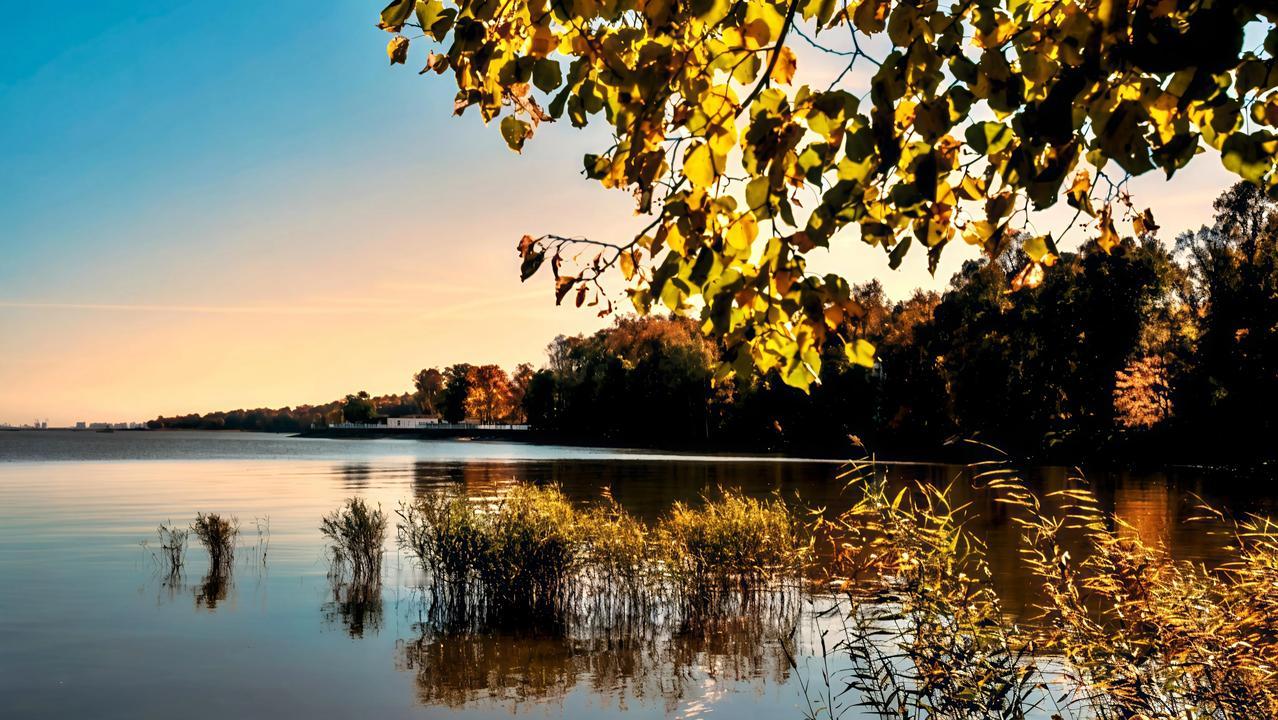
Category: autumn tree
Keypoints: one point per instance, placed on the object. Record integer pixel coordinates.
(490, 398)
(948, 120)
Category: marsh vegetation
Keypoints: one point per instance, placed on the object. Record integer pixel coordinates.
(889, 606)
(1121, 629)
(536, 551)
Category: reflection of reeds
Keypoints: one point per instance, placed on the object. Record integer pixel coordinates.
(1125, 630)
(357, 605)
(639, 660)
(214, 588)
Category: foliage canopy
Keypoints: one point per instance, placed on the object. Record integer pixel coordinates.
(977, 112)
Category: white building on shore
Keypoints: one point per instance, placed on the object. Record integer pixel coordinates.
(411, 422)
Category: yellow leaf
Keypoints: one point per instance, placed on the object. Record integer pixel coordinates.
(977, 232)
(627, 263)
(397, 49)
(1108, 239)
(786, 64)
(698, 166)
(1037, 250)
(742, 232)
(860, 352)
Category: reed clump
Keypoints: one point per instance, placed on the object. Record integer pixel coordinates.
(536, 549)
(356, 533)
(730, 540)
(520, 552)
(615, 552)
(533, 546)
(1123, 630)
(172, 547)
(217, 534)
(447, 534)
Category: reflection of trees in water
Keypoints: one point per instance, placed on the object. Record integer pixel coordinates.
(625, 658)
(355, 476)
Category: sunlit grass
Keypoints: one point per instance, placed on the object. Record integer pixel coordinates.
(535, 549)
(729, 541)
(1122, 630)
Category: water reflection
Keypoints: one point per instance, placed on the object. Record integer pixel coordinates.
(356, 606)
(214, 588)
(69, 575)
(633, 661)
(356, 476)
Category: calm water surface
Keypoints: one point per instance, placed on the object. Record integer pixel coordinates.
(89, 627)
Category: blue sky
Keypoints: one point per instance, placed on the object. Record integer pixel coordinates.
(218, 205)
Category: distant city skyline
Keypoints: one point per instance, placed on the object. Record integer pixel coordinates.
(202, 211)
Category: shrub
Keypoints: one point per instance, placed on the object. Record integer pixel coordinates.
(217, 534)
(356, 534)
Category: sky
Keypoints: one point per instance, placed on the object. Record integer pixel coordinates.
(238, 204)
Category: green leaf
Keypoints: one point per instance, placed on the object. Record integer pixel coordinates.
(395, 14)
(988, 138)
(516, 132)
(546, 75)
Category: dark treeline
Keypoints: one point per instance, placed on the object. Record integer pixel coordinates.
(357, 407)
(1150, 352)
(458, 393)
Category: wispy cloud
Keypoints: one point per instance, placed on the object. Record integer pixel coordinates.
(358, 307)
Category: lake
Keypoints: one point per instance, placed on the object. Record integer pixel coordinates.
(90, 626)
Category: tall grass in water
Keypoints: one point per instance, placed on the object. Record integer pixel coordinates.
(217, 534)
(172, 547)
(447, 536)
(1143, 634)
(923, 633)
(356, 533)
(1125, 630)
(536, 550)
(533, 547)
(731, 542)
